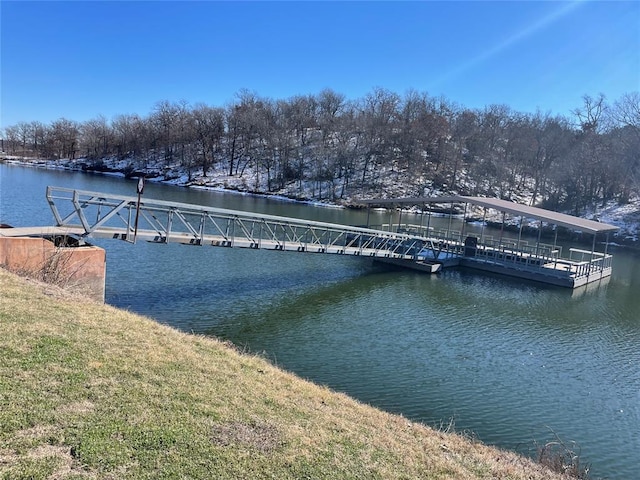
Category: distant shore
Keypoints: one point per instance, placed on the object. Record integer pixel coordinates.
(628, 237)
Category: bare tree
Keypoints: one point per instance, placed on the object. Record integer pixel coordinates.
(11, 139)
(127, 137)
(165, 121)
(552, 143)
(38, 132)
(626, 113)
(590, 115)
(464, 128)
(489, 147)
(378, 116)
(96, 137)
(25, 133)
(245, 143)
(62, 138)
(330, 156)
(209, 130)
(348, 148)
(301, 124)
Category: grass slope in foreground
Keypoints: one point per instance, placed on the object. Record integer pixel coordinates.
(88, 391)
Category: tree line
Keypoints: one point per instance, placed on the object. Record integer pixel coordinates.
(331, 148)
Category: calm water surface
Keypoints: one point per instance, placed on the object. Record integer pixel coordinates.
(508, 360)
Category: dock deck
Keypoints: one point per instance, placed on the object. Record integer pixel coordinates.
(514, 257)
(542, 263)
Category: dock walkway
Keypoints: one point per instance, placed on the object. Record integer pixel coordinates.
(84, 215)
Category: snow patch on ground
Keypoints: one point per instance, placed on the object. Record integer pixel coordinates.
(625, 217)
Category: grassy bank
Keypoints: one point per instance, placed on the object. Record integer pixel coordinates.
(88, 391)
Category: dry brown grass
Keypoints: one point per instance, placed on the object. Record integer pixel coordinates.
(90, 391)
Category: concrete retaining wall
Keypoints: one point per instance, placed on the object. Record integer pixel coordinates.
(81, 269)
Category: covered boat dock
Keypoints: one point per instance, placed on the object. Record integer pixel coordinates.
(517, 257)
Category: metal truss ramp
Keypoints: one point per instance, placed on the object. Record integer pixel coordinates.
(101, 215)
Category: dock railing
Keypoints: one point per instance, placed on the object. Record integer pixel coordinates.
(442, 243)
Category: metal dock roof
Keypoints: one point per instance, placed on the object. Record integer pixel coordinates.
(569, 221)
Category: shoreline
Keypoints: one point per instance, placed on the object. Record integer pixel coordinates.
(182, 181)
(46, 164)
(102, 391)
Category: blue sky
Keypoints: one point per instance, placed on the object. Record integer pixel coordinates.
(78, 60)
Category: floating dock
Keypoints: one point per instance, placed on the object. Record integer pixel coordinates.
(516, 257)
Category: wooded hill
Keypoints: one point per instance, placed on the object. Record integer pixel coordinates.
(326, 147)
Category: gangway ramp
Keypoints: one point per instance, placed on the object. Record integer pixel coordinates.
(89, 214)
(83, 215)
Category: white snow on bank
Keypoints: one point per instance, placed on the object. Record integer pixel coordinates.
(625, 217)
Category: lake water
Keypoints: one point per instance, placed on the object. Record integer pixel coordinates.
(512, 362)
